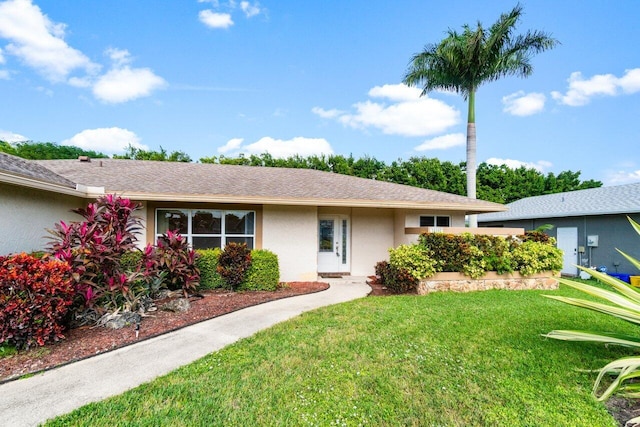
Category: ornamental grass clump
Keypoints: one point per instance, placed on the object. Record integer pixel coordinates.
(623, 302)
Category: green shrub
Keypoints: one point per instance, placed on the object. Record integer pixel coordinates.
(533, 257)
(416, 260)
(263, 273)
(496, 253)
(207, 262)
(130, 261)
(233, 264)
(474, 255)
(451, 251)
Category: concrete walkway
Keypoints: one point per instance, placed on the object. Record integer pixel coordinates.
(30, 401)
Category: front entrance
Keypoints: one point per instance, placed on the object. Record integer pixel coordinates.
(333, 244)
(568, 242)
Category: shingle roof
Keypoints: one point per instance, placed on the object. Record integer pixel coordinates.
(618, 199)
(29, 169)
(187, 181)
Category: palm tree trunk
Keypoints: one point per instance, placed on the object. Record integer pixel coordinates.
(471, 154)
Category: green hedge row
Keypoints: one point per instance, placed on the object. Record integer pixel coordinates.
(263, 273)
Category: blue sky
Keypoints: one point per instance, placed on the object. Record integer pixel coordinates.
(312, 77)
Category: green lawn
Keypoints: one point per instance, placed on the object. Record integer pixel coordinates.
(439, 360)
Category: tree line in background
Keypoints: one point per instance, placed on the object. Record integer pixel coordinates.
(499, 184)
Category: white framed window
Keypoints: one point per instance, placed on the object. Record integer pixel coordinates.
(208, 228)
(435, 221)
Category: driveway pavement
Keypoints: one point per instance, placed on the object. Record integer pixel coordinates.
(30, 401)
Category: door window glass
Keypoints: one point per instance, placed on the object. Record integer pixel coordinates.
(326, 235)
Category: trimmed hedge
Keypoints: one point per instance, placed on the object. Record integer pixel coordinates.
(207, 262)
(263, 273)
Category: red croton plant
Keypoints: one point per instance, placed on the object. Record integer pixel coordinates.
(35, 296)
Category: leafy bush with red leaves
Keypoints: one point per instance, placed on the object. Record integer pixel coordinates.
(94, 247)
(174, 257)
(35, 296)
(535, 236)
(233, 264)
(397, 280)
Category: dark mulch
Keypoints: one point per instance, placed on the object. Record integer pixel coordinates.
(84, 342)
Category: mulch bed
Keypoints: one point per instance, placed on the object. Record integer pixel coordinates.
(84, 342)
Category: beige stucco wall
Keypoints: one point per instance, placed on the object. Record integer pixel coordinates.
(372, 234)
(291, 233)
(26, 213)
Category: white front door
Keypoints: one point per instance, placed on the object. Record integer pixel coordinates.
(568, 242)
(333, 244)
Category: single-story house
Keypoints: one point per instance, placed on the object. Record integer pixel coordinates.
(588, 224)
(316, 222)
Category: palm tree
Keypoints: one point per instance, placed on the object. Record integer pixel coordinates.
(462, 62)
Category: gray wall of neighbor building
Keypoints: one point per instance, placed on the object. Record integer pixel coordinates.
(613, 231)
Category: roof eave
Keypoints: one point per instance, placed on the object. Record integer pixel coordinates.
(41, 185)
(471, 208)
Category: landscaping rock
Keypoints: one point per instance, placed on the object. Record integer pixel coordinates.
(179, 305)
(120, 320)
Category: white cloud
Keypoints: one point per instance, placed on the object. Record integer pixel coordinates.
(408, 114)
(280, 148)
(581, 90)
(119, 57)
(214, 19)
(231, 145)
(327, 114)
(621, 177)
(250, 9)
(630, 82)
(397, 92)
(105, 140)
(540, 165)
(123, 83)
(9, 136)
(521, 104)
(4, 75)
(2, 60)
(39, 42)
(442, 142)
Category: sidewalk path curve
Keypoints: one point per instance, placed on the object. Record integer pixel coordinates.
(31, 401)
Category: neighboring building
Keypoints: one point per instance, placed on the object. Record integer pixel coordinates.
(588, 224)
(316, 222)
